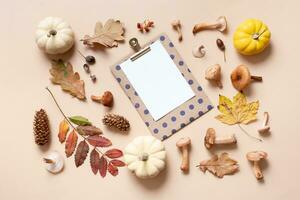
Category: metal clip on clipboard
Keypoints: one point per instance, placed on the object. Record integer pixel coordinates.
(134, 43)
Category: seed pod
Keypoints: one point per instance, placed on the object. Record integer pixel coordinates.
(221, 46)
(90, 59)
(86, 68)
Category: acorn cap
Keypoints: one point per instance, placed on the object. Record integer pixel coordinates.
(256, 155)
(210, 137)
(240, 77)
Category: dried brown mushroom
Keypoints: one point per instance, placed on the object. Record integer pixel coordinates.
(213, 73)
(106, 99)
(184, 144)
(265, 127)
(177, 27)
(241, 77)
(255, 157)
(220, 25)
(211, 139)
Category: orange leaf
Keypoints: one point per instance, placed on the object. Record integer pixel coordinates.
(103, 166)
(81, 153)
(94, 161)
(99, 141)
(71, 143)
(113, 170)
(63, 130)
(114, 153)
(117, 163)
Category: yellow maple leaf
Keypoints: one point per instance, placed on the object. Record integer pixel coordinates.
(238, 110)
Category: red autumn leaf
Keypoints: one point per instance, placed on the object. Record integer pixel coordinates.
(113, 170)
(63, 130)
(102, 166)
(114, 153)
(95, 161)
(99, 141)
(81, 153)
(117, 163)
(71, 143)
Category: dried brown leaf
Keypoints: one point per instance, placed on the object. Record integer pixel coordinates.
(103, 166)
(117, 163)
(114, 153)
(71, 143)
(95, 161)
(81, 153)
(63, 130)
(63, 75)
(107, 36)
(220, 166)
(113, 170)
(99, 141)
(88, 130)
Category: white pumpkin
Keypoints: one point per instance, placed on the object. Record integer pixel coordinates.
(145, 156)
(54, 35)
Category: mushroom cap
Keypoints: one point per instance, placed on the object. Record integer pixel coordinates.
(240, 77)
(183, 142)
(198, 51)
(213, 73)
(210, 137)
(58, 162)
(256, 155)
(223, 23)
(176, 22)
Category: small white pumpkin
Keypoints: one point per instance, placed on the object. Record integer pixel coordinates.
(145, 156)
(54, 35)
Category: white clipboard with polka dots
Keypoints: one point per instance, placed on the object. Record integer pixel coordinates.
(161, 88)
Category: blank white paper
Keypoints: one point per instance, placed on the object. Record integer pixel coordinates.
(158, 81)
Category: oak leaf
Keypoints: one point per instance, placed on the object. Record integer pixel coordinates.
(63, 130)
(103, 166)
(81, 153)
(63, 75)
(99, 141)
(95, 161)
(106, 35)
(71, 143)
(237, 111)
(219, 166)
(114, 153)
(88, 130)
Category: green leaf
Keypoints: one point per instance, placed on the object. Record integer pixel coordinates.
(79, 120)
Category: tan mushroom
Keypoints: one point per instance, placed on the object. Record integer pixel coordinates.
(241, 77)
(54, 162)
(106, 99)
(213, 73)
(220, 25)
(255, 157)
(211, 139)
(177, 27)
(198, 51)
(265, 127)
(184, 145)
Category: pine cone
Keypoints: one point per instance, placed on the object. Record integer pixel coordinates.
(116, 121)
(41, 127)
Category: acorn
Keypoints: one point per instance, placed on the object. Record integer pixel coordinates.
(241, 77)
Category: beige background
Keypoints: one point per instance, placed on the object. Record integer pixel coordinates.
(24, 75)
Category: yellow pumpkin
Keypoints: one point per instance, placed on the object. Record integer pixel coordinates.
(251, 37)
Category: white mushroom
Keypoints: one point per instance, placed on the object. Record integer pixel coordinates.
(177, 26)
(54, 162)
(255, 157)
(184, 144)
(213, 73)
(211, 139)
(265, 127)
(198, 51)
(220, 25)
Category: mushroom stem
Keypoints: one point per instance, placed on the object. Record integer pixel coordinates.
(49, 161)
(265, 128)
(178, 29)
(185, 159)
(256, 78)
(96, 98)
(226, 140)
(257, 171)
(266, 119)
(205, 26)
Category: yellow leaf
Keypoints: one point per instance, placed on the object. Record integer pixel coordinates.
(238, 110)
(63, 130)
